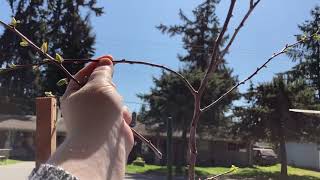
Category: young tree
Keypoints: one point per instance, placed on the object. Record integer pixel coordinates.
(170, 97)
(308, 53)
(66, 30)
(267, 117)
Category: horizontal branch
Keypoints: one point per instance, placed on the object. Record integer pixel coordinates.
(124, 61)
(50, 60)
(264, 65)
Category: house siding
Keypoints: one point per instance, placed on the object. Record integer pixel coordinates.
(303, 154)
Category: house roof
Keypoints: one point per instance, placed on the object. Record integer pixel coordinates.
(141, 128)
(24, 123)
(28, 123)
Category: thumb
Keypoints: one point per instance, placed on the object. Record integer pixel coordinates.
(103, 71)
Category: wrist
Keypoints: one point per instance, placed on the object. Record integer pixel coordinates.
(91, 159)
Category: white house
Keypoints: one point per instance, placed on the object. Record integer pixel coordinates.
(303, 154)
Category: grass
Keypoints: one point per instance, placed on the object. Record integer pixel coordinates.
(256, 172)
(8, 162)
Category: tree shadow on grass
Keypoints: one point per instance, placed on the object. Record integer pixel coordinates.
(256, 174)
(253, 173)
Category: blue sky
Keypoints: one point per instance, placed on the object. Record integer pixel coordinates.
(127, 30)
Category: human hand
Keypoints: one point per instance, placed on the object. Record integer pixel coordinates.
(99, 137)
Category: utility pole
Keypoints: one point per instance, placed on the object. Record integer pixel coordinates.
(169, 148)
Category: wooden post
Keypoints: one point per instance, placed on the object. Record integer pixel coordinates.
(169, 148)
(46, 108)
(250, 153)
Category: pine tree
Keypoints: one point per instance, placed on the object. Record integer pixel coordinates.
(170, 96)
(308, 53)
(266, 115)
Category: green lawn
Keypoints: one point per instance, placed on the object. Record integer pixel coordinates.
(257, 172)
(8, 162)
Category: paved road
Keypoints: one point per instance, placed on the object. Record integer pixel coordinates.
(21, 171)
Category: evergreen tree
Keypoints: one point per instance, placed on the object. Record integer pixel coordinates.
(170, 96)
(308, 53)
(67, 31)
(266, 116)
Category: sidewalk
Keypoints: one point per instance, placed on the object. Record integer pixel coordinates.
(20, 171)
(17, 171)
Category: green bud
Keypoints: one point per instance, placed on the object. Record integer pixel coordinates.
(14, 22)
(24, 43)
(44, 47)
(12, 65)
(48, 94)
(316, 37)
(59, 58)
(62, 82)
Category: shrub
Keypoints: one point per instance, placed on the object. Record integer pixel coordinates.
(139, 162)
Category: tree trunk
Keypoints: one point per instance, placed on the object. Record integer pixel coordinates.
(283, 156)
(284, 110)
(182, 155)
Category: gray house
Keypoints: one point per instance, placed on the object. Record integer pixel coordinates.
(306, 155)
(18, 134)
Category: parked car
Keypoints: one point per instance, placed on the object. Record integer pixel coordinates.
(262, 156)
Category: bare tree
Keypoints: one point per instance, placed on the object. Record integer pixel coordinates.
(215, 59)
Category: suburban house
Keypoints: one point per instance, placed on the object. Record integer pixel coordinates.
(303, 154)
(17, 133)
(212, 151)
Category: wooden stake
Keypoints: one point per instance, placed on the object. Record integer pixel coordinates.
(46, 108)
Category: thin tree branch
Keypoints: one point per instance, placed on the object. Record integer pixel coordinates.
(222, 174)
(122, 61)
(251, 8)
(215, 53)
(148, 142)
(198, 95)
(34, 46)
(264, 65)
(50, 60)
(190, 87)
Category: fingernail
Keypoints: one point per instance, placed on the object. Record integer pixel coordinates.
(105, 60)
